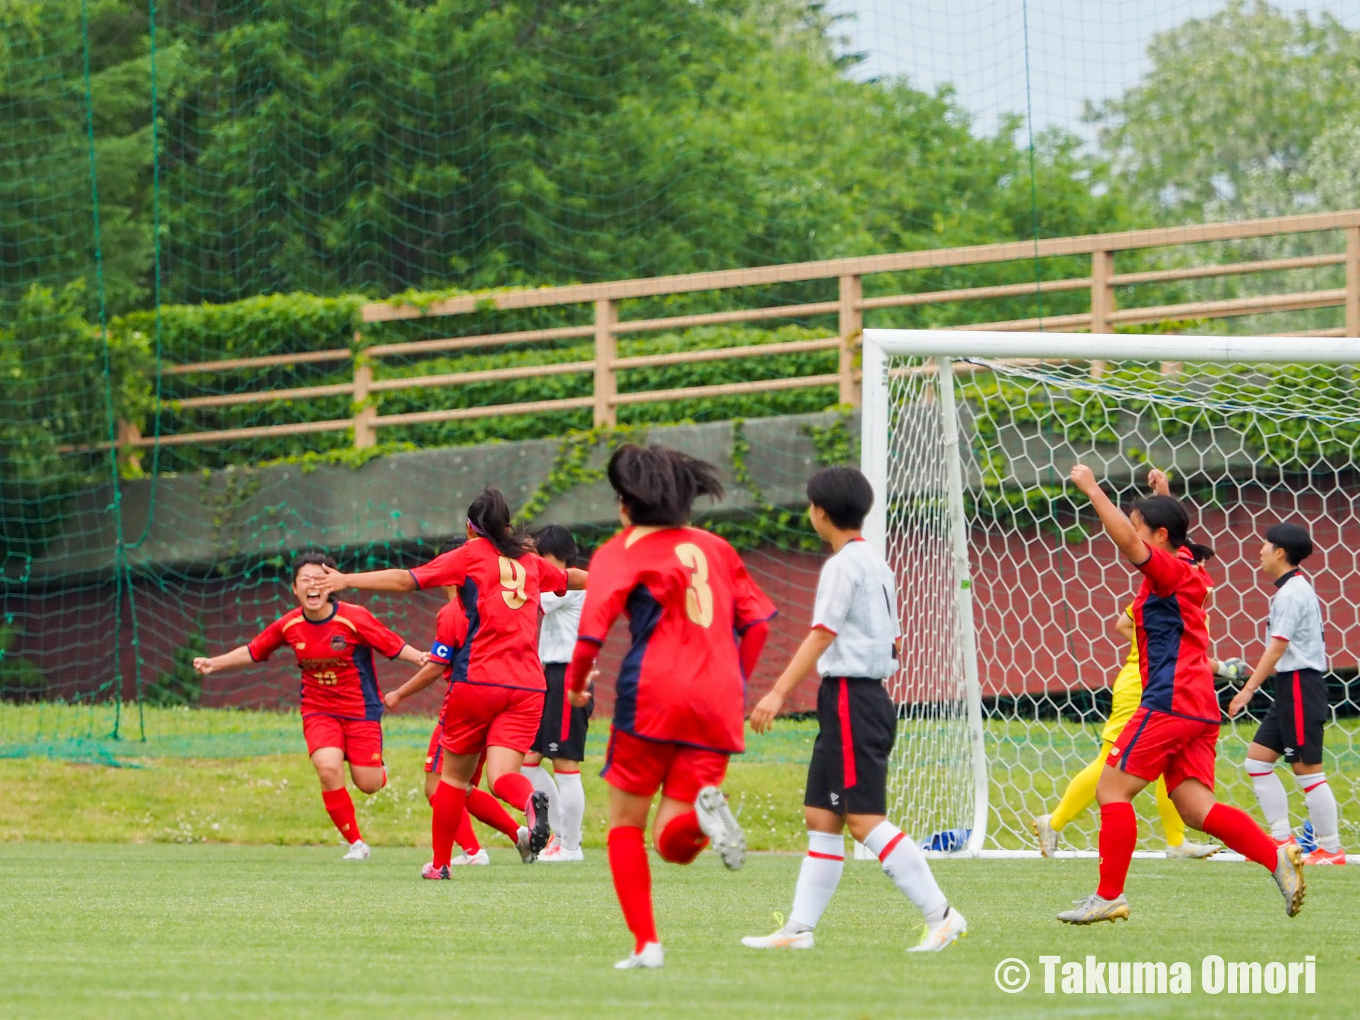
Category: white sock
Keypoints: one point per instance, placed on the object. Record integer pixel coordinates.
(543, 783)
(904, 863)
(572, 808)
(1322, 811)
(817, 880)
(1270, 795)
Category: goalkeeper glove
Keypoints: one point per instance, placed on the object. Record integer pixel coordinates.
(1235, 670)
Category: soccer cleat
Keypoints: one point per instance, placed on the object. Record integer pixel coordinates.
(435, 874)
(536, 816)
(781, 940)
(1093, 908)
(559, 854)
(720, 826)
(936, 936)
(1287, 841)
(526, 853)
(1321, 856)
(358, 851)
(1048, 836)
(1289, 877)
(1188, 851)
(464, 859)
(651, 957)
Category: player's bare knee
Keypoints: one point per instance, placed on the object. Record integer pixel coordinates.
(332, 776)
(369, 784)
(861, 825)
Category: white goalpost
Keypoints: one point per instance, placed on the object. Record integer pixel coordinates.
(1008, 589)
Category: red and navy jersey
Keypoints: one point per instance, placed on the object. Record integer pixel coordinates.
(688, 599)
(335, 657)
(450, 634)
(500, 598)
(1169, 616)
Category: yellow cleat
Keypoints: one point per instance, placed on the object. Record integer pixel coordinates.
(1093, 908)
(1289, 877)
(1048, 836)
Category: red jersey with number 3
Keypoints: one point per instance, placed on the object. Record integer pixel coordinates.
(1173, 635)
(335, 657)
(688, 599)
(500, 598)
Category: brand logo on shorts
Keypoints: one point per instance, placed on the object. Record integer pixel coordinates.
(1114, 752)
(300, 646)
(1288, 750)
(377, 756)
(835, 799)
(338, 643)
(552, 746)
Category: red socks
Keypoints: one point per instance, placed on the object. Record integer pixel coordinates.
(681, 840)
(485, 808)
(466, 836)
(449, 804)
(514, 789)
(1118, 836)
(633, 882)
(1235, 829)
(341, 810)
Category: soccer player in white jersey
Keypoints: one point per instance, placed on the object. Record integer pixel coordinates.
(1296, 655)
(562, 730)
(853, 644)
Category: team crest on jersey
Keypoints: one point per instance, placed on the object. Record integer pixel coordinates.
(337, 642)
(301, 646)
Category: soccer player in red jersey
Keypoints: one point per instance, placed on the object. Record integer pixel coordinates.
(496, 697)
(1175, 730)
(341, 705)
(697, 623)
(450, 636)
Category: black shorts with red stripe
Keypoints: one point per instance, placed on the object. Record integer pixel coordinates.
(1293, 724)
(562, 730)
(857, 725)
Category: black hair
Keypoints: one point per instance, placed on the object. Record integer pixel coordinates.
(658, 485)
(555, 540)
(844, 493)
(1293, 539)
(1167, 512)
(489, 515)
(313, 558)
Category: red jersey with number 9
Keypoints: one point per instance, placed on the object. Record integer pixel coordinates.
(335, 657)
(500, 599)
(688, 599)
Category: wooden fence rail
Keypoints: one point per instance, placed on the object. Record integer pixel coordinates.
(849, 308)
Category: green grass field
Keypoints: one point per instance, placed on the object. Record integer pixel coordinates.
(166, 931)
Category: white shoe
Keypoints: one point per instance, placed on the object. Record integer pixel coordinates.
(940, 934)
(1289, 877)
(526, 853)
(781, 940)
(463, 859)
(720, 826)
(1091, 909)
(1188, 851)
(559, 854)
(1048, 836)
(358, 851)
(651, 957)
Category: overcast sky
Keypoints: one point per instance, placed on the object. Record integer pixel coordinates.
(1078, 49)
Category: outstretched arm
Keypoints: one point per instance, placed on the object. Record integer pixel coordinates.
(1116, 524)
(371, 580)
(234, 659)
(427, 675)
(803, 662)
(413, 655)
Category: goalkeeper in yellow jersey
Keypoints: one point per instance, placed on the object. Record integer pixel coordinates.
(1126, 695)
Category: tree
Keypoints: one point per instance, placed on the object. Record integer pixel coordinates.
(1239, 115)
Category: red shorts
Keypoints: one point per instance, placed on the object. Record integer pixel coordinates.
(1159, 744)
(477, 717)
(360, 739)
(635, 765)
(434, 757)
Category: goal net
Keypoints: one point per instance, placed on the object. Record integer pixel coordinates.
(1009, 588)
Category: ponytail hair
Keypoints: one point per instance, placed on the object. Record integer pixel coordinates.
(1169, 514)
(658, 485)
(489, 516)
